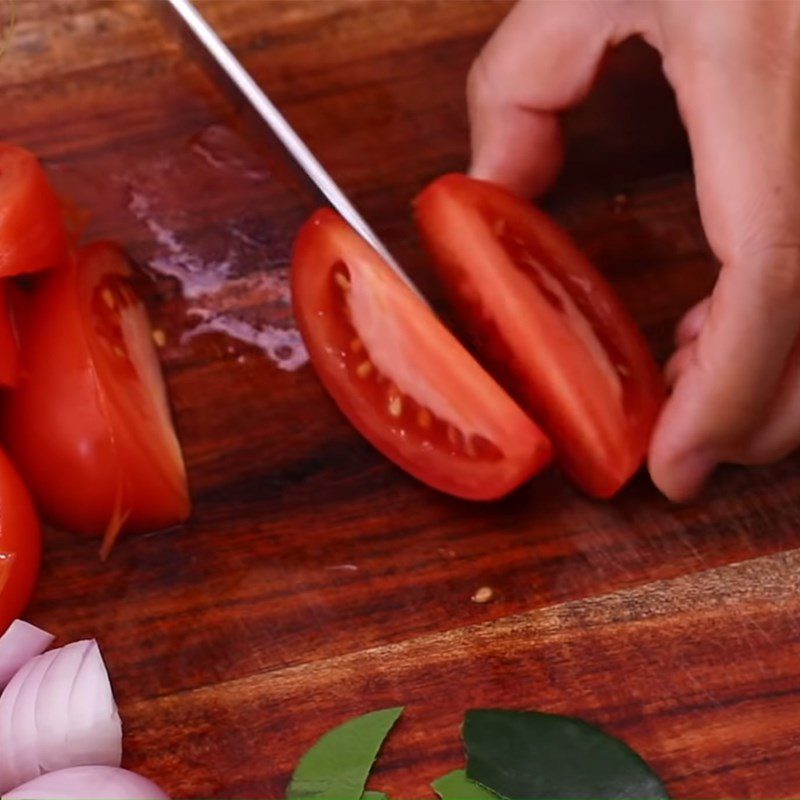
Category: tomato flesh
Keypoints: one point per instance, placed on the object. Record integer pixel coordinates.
(20, 544)
(89, 424)
(32, 231)
(127, 363)
(400, 377)
(550, 326)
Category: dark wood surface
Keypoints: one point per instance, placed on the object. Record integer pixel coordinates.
(315, 581)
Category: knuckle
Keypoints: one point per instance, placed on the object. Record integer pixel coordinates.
(491, 81)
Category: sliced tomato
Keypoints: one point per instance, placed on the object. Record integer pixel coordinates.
(9, 344)
(399, 375)
(90, 425)
(20, 544)
(549, 325)
(32, 231)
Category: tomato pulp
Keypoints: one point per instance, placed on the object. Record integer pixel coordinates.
(89, 424)
(400, 376)
(550, 326)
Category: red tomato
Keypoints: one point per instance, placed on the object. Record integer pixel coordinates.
(32, 232)
(89, 424)
(9, 346)
(552, 328)
(400, 377)
(20, 544)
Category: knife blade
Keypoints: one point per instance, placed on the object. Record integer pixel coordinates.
(221, 54)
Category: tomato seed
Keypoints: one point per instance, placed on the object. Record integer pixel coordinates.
(364, 369)
(108, 298)
(455, 437)
(356, 345)
(395, 405)
(341, 280)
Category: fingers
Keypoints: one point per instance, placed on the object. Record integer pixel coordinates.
(736, 72)
(692, 323)
(540, 61)
(726, 379)
(741, 108)
(679, 363)
(779, 432)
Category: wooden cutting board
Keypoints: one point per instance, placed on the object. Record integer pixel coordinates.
(314, 580)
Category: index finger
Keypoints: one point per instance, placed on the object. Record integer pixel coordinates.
(541, 60)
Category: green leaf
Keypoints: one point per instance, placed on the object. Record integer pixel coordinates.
(370, 795)
(527, 755)
(457, 786)
(338, 765)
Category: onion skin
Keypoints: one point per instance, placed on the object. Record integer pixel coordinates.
(58, 711)
(88, 783)
(18, 645)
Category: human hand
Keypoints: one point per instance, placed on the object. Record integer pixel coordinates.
(735, 68)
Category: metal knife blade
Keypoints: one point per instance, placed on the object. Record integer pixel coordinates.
(268, 112)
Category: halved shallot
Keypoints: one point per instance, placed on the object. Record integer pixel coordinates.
(58, 711)
(18, 645)
(88, 783)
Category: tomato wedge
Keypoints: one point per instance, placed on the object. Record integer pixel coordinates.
(9, 345)
(89, 425)
(400, 376)
(32, 232)
(20, 544)
(549, 325)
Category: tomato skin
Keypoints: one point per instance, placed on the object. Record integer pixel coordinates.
(9, 342)
(32, 232)
(550, 325)
(87, 456)
(439, 370)
(20, 544)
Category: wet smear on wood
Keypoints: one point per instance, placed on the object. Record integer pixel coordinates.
(231, 265)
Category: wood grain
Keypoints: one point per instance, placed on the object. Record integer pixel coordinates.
(314, 581)
(629, 661)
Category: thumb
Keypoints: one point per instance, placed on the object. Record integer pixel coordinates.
(541, 60)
